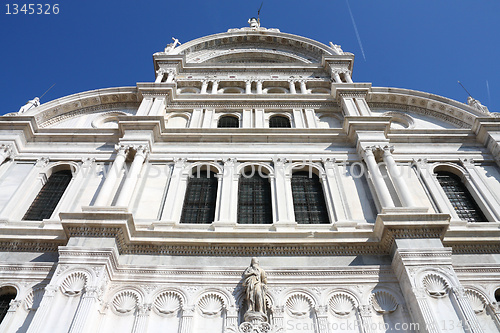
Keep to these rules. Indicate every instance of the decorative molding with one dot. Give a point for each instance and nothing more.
(125, 302)
(435, 285)
(383, 302)
(342, 304)
(74, 284)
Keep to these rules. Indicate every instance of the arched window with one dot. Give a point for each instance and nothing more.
(308, 199)
(47, 199)
(200, 199)
(254, 200)
(279, 122)
(7, 294)
(460, 198)
(228, 122)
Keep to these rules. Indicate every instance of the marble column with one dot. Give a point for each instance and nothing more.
(39, 320)
(228, 185)
(171, 75)
(365, 313)
(335, 198)
(291, 84)
(104, 196)
(399, 183)
(259, 86)
(186, 320)
(215, 86)
(6, 321)
(131, 177)
(303, 87)
(159, 75)
(248, 87)
(204, 86)
(283, 192)
(336, 77)
(381, 189)
(88, 301)
(347, 76)
(172, 208)
(141, 318)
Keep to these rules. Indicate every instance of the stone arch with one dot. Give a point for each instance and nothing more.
(313, 167)
(258, 167)
(275, 90)
(402, 120)
(188, 90)
(177, 120)
(103, 120)
(126, 300)
(201, 166)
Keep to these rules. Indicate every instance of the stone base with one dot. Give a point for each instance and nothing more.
(255, 318)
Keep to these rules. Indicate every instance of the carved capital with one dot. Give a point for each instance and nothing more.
(388, 149)
(180, 162)
(280, 161)
(144, 309)
(122, 149)
(328, 161)
(14, 305)
(42, 162)
(87, 162)
(141, 150)
(6, 150)
(229, 161)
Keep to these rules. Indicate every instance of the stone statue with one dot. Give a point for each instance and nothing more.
(172, 46)
(337, 48)
(256, 290)
(254, 23)
(477, 104)
(33, 103)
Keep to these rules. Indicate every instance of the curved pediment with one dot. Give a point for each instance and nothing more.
(253, 46)
(109, 102)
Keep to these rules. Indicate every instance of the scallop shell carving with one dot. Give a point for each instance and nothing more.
(74, 284)
(210, 305)
(125, 301)
(383, 302)
(167, 302)
(435, 285)
(299, 305)
(341, 304)
(33, 299)
(476, 300)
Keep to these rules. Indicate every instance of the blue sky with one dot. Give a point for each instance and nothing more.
(423, 45)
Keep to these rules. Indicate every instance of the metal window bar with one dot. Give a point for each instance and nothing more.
(228, 122)
(308, 199)
(462, 201)
(47, 199)
(254, 200)
(200, 199)
(279, 122)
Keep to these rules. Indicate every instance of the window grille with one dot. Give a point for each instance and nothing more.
(308, 199)
(228, 122)
(254, 200)
(460, 198)
(200, 199)
(279, 122)
(5, 300)
(47, 199)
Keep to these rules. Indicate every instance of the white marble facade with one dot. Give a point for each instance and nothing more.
(115, 257)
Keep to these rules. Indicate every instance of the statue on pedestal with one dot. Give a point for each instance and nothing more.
(477, 104)
(255, 281)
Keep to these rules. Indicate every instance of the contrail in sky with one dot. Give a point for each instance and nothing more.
(356, 30)
(488, 89)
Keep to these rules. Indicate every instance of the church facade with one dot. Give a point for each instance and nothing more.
(252, 187)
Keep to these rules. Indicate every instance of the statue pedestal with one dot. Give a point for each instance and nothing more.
(255, 322)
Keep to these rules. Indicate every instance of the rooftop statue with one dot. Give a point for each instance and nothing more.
(254, 23)
(33, 103)
(336, 48)
(477, 104)
(172, 46)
